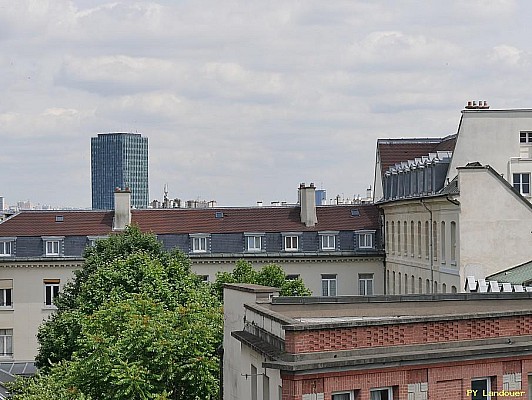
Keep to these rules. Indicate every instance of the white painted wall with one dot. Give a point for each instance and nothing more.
(495, 225)
(490, 137)
(238, 358)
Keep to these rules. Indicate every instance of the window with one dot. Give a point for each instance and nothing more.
(6, 292)
(427, 239)
(412, 241)
(6, 248)
(254, 243)
(292, 277)
(435, 241)
(443, 242)
(199, 243)
(254, 391)
(93, 239)
(453, 242)
(291, 243)
(51, 291)
(342, 396)
(52, 245)
(328, 242)
(381, 394)
(521, 183)
(265, 387)
(328, 285)
(399, 238)
(419, 239)
(365, 240)
(387, 242)
(393, 237)
(52, 248)
(405, 249)
(525, 137)
(203, 278)
(6, 342)
(365, 284)
(480, 389)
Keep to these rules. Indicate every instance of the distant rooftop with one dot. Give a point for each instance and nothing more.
(393, 151)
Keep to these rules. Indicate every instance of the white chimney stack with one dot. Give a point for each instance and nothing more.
(307, 201)
(122, 216)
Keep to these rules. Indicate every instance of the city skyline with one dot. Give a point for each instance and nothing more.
(243, 101)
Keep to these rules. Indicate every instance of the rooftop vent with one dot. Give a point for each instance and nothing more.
(219, 214)
(59, 218)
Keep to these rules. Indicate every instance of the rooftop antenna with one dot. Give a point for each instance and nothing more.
(165, 189)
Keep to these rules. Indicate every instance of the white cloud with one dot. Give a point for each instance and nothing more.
(243, 100)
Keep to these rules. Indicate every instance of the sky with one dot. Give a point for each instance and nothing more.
(242, 101)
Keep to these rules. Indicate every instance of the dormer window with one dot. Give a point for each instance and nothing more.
(365, 239)
(254, 241)
(53, 246)
(7, 247)
(291, 241)
(200, 242)
(328, 240)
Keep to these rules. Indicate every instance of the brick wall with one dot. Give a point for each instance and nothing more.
(404, 334)
(442, 380)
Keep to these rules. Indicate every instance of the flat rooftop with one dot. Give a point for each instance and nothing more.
(301, 313)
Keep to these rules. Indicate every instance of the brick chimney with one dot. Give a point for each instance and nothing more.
(122, 216)
(307, 201)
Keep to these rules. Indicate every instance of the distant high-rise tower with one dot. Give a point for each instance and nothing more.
(119, 160)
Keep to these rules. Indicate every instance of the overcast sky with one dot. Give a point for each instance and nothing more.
(243, 100)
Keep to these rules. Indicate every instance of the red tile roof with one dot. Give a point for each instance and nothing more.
(393, 151)
(168, 221)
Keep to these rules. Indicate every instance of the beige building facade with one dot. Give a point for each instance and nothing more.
(457, 206)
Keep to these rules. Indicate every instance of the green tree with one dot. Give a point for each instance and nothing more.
(136, 324)
(270, 275)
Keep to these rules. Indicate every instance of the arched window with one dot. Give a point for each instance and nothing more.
(435, 241)
(412, 241)
(442, 241)
(427, 239)
(419, 239)
(405, 249)
(453, 242)
(393, 237)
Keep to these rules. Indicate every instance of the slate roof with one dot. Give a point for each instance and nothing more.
(174, 221)
(393, 151)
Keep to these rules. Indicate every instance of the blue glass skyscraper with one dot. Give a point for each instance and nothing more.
(119, 160)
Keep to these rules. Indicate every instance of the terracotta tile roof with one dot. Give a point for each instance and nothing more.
(43, 223)
(167, 221)
(393, 151)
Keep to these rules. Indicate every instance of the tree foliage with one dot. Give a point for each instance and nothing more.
(270, 275)
(135, 323)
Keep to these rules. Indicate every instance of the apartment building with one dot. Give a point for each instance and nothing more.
(450, 203)
(336, 250)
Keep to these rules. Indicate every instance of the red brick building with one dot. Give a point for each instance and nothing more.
(454, 346)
